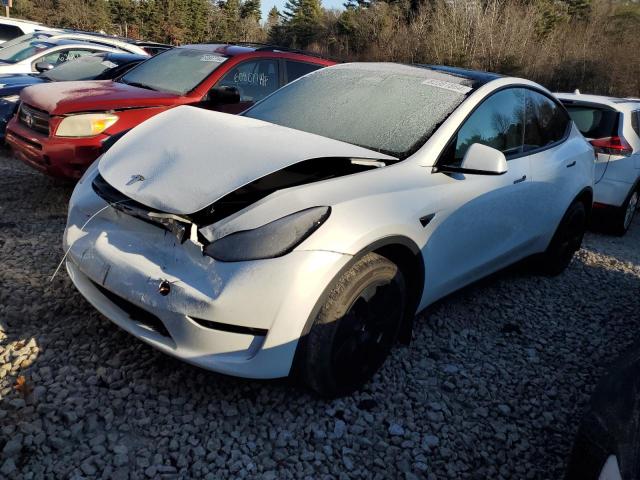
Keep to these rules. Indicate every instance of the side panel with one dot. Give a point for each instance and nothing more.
(558, 176)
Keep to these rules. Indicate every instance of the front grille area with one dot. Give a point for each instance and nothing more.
(136, 314)
(35, 119)
(121, 202)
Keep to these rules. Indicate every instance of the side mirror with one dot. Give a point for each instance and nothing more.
(222, 96)
(43, 66)
(483, 160)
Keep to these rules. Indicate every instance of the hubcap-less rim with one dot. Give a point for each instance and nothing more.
(631, 210)
(366, 333)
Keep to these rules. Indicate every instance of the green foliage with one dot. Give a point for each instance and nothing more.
(562, 43)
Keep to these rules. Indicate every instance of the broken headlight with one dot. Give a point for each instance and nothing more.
(272, 240)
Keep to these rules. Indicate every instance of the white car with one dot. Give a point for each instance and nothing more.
(11, 28)
(612, 125)
(303, 236)
(37, 55)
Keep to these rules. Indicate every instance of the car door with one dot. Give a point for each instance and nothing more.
(483, 224)
(254, 79)
(557, 165)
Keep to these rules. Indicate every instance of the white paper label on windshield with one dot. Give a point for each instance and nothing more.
(453, 87)
(212, 58)
(109, 64)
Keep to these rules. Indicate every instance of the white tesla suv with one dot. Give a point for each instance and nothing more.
(303, 236)
(612, 125)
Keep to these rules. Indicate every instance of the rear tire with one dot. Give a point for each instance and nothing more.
(624, 215)
(566, 241)
(355, 328)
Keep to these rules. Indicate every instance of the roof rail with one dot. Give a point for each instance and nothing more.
(269, 47)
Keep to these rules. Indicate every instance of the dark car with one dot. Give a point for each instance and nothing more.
(99, 66)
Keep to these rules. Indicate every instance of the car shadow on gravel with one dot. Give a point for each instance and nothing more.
(492, 386)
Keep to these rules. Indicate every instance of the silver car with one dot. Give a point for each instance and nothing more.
(303, 236)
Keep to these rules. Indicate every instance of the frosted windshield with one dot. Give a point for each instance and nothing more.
(392, 109)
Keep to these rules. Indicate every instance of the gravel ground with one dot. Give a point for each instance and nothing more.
(493, 385)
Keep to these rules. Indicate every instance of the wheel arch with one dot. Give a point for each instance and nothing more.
(585, 196)
(402, 251)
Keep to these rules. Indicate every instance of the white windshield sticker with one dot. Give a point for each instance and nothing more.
(212, 58)
(454, 87)
(109, 64)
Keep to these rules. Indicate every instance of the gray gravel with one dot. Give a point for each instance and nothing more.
(493, 385)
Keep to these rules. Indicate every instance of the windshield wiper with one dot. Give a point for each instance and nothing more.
(138, 84)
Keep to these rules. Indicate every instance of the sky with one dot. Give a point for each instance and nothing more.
(268, 4)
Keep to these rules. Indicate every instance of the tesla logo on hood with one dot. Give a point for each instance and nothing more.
(135, 179)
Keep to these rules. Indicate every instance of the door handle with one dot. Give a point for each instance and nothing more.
(520, 180)
(572, 164)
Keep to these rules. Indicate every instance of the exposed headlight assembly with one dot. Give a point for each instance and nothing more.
(272, 240)
(85, 124)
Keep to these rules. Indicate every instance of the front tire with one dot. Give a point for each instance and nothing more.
(566, 241)
(355, 328)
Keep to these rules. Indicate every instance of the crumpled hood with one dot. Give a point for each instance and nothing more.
(190, 157)
(60, 98)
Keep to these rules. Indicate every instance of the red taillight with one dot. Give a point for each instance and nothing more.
(612, 146)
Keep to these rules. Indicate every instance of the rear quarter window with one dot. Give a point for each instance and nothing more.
(594, 122)
(298, 69)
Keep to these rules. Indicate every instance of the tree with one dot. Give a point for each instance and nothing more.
(273, 18)
(250, 9)
(302, 21)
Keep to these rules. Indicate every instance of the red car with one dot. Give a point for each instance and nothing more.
(60, 128)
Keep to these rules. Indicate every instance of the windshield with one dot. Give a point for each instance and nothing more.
(83, 68)
(179, 70)
(388, 108)
(23, 50)
(25, 38)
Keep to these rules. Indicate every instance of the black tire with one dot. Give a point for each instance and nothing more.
(355, 328)
(566, 241)
(623, 216)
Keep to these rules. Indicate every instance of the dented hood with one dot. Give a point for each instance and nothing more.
(187, 158)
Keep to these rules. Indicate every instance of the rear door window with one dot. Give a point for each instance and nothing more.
(545, 121)
(298, 69)
(594, 122)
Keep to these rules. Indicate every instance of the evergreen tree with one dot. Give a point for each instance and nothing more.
(302, 21)
(273, 18)
(251, 10)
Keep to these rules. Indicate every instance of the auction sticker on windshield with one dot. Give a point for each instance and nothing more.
(212, 58)
(454, 87)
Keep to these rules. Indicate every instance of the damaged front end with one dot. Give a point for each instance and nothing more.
(278, 237)
(147, 272)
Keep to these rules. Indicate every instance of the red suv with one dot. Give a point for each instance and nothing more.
(60, 128)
